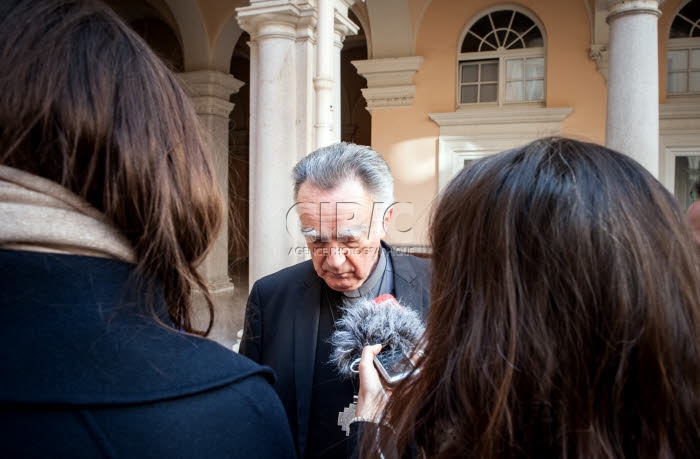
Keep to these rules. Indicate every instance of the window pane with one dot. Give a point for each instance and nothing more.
(470, 44)
(502, 37)
(533, 39)
(489, 71)
(489, 93)
(468, 94)
(482, 27)
(515, 42)
(514, 69)
(694, 81)
(695, 59)
(691, 11)
(678, 60)
(501, 19)
(521, 23)
(677, 82)
(514, 91)
(489, 43)
(534, 68)
(680, 28)
(470, 73)
(534, 90)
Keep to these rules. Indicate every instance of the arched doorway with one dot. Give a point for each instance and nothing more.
(239, 161)
(356, 120)
(155, 26)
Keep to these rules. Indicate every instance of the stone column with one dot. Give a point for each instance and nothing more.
(337, 131)
(342, 27)
(633, 81)
(210, 92)
(283, 108)
(323, 79)
(274, 107)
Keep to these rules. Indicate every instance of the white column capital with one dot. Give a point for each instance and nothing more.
(389, 81)
(278, 18)
(618, 8)
(210, 91)
(348, 3)
(599, 53)
(343, 26)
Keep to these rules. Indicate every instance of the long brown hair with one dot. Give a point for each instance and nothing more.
(565, 314)
(85, 103)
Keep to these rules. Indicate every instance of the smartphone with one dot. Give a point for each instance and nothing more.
(393, 364)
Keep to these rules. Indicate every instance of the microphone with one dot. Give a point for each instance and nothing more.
(367, 322)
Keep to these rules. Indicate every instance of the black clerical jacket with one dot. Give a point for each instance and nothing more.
(281, 327)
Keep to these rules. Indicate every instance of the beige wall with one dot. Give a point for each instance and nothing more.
(408, 138)
(408, 141)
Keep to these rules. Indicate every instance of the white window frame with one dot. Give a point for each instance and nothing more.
(672, 153)
(679, 44)
(502, 55)
(460, 84)
(679, 135)
(679, 119)
(474, 134)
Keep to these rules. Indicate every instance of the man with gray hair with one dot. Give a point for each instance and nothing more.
(344, 194)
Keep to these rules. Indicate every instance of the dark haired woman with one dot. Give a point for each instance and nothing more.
(108, 203)
(565, 316)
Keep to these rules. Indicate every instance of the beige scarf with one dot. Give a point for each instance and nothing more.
(37, 214)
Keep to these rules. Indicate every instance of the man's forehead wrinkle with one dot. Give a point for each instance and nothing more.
(352, 230)
(330, 205)
(331, 218)
(329, 212)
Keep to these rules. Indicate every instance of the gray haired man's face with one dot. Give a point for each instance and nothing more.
(341, 233)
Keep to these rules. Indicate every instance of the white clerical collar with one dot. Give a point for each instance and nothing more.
(373, 281)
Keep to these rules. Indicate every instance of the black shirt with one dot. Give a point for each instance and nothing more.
(331, 393)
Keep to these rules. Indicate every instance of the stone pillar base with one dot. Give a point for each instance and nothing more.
(228, 313)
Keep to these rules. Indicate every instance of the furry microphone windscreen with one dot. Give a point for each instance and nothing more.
(367, 322)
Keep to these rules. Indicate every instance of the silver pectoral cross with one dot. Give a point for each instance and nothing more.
(345, 416)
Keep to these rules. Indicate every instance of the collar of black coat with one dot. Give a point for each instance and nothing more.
(373, 282)
(72, 333)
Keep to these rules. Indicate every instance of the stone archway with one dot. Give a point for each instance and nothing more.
(239, 166)
(183, 33)
(156, 25)
(356, 123)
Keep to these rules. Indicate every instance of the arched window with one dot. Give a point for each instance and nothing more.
(684, 51)
(501, 61)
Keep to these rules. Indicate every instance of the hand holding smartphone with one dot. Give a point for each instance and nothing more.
(393, 364)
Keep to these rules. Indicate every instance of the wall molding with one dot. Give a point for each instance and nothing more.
(467, 135)
(389, 81)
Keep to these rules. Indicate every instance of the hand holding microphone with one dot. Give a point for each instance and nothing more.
(363, 327)
(380, 321)
(372, 396)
